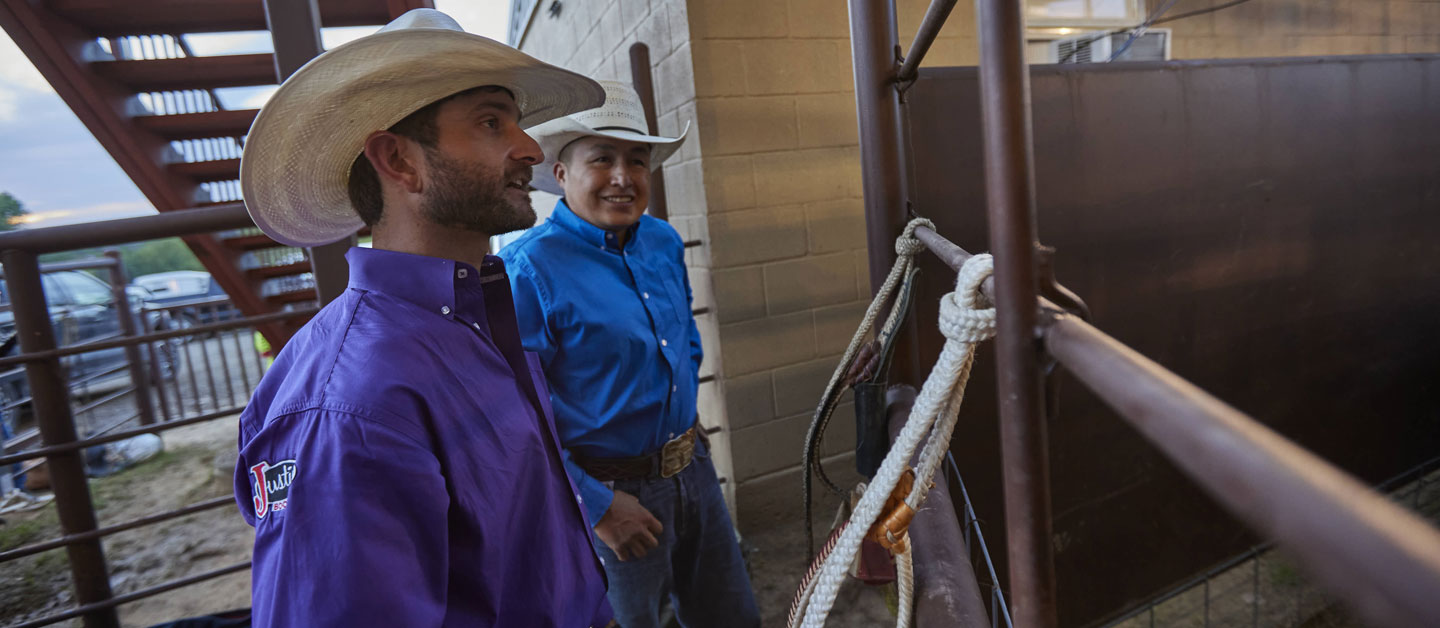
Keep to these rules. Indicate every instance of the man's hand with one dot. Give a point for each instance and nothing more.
(628, 528)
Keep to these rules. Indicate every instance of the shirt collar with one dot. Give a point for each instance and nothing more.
(572, 222)
(429, 282)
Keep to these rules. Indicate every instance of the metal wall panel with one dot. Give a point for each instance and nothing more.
(1267, 228)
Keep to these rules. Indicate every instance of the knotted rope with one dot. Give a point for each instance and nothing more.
(964, 324)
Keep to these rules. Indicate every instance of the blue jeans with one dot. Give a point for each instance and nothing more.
(697, 566)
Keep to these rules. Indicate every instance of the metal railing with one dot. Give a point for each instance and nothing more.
(1375, 556)
(62, 447)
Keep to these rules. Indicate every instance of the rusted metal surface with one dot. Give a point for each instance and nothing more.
(935, 16)
(112, 232)
(946, 593)
(139, 374)
(1368, 551)
(1010, 186)
(645, 87)
(109, 605)
(21, 552)
(873, 47)
(1253, 225)
(57, 428)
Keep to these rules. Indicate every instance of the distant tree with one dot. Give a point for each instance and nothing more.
(158, 256)
(10, 209)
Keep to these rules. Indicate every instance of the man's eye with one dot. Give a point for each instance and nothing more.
(493, 124)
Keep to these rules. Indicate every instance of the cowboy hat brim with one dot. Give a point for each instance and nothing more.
(294, 171)
(555, 135)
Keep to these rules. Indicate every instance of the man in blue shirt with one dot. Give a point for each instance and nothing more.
(603, 298)
(400, 461)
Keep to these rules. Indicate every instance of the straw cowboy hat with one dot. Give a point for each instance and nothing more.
(295, 169)
(621, 117)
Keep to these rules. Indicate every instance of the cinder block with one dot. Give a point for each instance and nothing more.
(732, 126)
(709, 344)
(775, 499)
(719, 67)
(809, 282)
(807, 176)
(1245, 20)
(702, 289)
(756, 235)
(952, 51)
(1406, 17)
(835, 326)
(729, 183)
(1364, 17)
(739, 293)
(768, 447)
(739, 19)
(685, 113)
(747, 400)
(632, 14)
(862, 274)
(678, 13)
(1422, 43)
(837, 225)
(819, 18)
(798, 387)
(611, 30)
(767, 343)
(685, 189)
(654, 32)
(794, 66)
(674, 84)
(1320, 18)
(826, 120)
(840, 433)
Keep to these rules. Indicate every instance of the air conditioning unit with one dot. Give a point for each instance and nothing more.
(1101, 46)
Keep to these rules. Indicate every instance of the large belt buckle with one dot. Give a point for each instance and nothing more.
(676, 454)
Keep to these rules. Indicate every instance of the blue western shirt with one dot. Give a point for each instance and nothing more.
(614, 332)
(400, 465)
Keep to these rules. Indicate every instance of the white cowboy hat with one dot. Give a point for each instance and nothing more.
(295, 169)
(621, 117)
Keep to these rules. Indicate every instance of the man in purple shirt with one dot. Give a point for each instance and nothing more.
(399, 461)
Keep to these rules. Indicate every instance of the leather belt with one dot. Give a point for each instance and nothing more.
(671, 459)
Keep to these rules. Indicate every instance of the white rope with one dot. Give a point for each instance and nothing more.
(905, 578)
(934, 414)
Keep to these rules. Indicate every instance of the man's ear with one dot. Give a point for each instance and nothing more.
(559, 172)
(396, 159)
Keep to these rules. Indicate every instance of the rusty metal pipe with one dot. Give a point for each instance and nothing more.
(163, 335)
(139, 375)
(935, 17)
(21, 552)
(946, 593)
(51, 399)
(1010, 192)
(112, 232)
(1380, 559)
(54, 450)
(645, 87)
(109, 605)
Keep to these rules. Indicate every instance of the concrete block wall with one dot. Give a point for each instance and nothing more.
(593, 37)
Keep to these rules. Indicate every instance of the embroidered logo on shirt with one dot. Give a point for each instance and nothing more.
(271, 486)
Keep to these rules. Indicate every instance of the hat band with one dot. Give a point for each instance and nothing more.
(619, 128)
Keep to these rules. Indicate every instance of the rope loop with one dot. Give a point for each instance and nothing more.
(961, 318)
(907, 244)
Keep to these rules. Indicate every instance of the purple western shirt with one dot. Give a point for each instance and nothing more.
(400, 465)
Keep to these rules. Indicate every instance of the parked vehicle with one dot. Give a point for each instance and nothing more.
(82, 310)
(181, 287)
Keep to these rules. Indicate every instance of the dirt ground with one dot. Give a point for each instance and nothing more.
(197, 466)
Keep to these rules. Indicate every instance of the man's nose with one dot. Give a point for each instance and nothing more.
(526, 149)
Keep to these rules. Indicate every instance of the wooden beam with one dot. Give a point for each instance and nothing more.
(114, 18)
(186, 126)
(207, 171)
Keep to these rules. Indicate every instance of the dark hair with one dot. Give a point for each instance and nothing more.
(364, 183)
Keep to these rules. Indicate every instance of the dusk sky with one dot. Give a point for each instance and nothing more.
(52, 163)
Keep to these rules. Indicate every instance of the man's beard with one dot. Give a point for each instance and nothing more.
(473, 197)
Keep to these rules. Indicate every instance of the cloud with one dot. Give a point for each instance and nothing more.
(92, 213)
(17, 77)
(490, 19)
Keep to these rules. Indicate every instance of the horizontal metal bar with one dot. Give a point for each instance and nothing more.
(700, 311)
(131, 597)
(1364, 549)
(127, 341)
(101, 440)
(705, 379)
(87, 263)
(98, 375)
(185, 304)
(951, 254)
(104, 400)
(690, 244)
(935, 17)
(125, 230)
(36, 548)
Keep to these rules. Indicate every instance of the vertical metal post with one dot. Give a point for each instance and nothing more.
(1010, 191)
(51, 400)
(645, 87)
(139, 375)
(295, 29)
(875, 50)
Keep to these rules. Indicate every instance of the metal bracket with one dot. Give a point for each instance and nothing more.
(1064, 301)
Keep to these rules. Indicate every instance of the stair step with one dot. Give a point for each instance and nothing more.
(114, 18)
(250, 242)
(293, 296)
(203, 171)
(159, 75)
(284, 270)
(186, 126)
